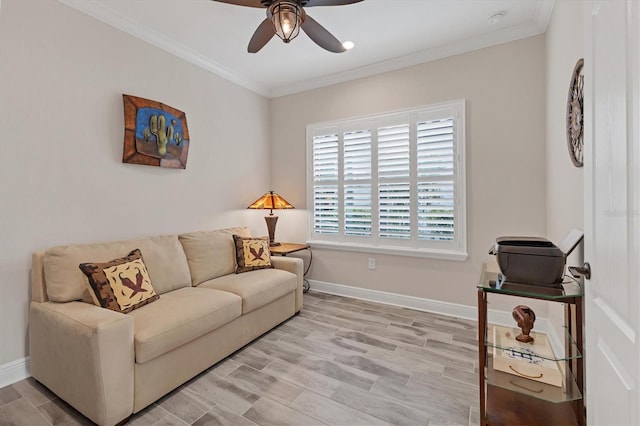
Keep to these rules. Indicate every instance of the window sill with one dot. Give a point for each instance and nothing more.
(391, 250)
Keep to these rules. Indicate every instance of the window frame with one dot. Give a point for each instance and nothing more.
(448, 250)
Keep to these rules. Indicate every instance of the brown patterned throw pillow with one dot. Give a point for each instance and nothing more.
(121, 285)
(252, 253)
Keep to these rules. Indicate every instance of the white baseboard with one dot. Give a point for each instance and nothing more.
(17, 370)
(418, 303)
(14, 371)
(435, 306)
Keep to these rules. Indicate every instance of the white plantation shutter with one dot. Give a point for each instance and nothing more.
(391, 183)
(394, 186)
(357, 183)
(357, 210)
(325, 184)
(435, 176)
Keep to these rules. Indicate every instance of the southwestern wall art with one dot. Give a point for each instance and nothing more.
(154, 134)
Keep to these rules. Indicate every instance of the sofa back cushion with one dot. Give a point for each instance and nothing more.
(211, 254)
(163, 256)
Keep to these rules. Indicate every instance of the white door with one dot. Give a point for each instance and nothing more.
(612, 211)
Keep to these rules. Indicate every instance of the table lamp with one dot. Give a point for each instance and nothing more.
(271, 200)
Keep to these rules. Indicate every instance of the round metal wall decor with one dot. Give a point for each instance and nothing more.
(575, 115)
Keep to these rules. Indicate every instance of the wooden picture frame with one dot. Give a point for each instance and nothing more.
(155, 134)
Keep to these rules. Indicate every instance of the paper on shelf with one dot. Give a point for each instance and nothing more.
(534, 361)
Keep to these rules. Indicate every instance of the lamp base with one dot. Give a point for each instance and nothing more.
(274, 244)
(271, 227)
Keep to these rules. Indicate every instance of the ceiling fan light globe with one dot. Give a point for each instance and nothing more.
(287, 17)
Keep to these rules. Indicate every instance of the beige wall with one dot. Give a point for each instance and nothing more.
(564, 46)
(505, 91)
(565, 183)
(62, 75)
(61, 118)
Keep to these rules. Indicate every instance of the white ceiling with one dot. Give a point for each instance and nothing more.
(388, 34)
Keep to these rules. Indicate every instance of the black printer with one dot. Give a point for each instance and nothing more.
(534, 260)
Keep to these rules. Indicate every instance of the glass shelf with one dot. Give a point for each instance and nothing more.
(523, 348)
(554, 394)
(492, 282)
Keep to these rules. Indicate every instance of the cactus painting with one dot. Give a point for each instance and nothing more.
(155, 134)
(162, 125)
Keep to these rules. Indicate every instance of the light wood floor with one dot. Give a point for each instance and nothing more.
(340, 361)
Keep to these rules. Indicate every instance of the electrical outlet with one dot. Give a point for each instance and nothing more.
(372, 263)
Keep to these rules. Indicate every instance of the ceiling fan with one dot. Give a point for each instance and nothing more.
(286, 17)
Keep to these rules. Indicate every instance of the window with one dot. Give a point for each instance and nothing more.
(391, 183)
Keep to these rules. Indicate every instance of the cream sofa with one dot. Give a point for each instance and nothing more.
(109, 365)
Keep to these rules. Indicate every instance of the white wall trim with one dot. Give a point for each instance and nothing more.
(457, 255)
(506, 35)
(497, 317)
(100, 11)
(14, 371)
(17, 370)
(418, 303)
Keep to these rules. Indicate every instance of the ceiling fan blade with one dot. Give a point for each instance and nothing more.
(321, 36)
(311, 3)
(247, 3)
(263, 34)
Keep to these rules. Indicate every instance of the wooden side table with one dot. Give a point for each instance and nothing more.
(285, 249)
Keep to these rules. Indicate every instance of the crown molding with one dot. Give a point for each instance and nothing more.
(538, 25)
(110, 17)
(97, 10)
(542, 14)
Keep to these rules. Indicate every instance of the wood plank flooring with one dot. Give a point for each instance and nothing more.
(341, 361)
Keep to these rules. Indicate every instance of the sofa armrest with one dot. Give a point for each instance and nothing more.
(294, 265)
(84, 354)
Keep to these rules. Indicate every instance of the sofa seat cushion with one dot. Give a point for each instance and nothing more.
(256, 288)
(180, 316)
